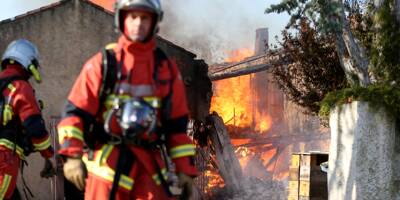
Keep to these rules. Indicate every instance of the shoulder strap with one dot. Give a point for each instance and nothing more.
(3, 85)
(109, 74)
(160, 56)
(5, 81)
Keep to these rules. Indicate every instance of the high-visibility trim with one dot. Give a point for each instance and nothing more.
(155, 102)
(108, 103)
(11, 88)
(100, 168)
(108, 174)
(111, 45)
(8, 114)
(4, 187)
(104, 154)
(10, 145)
(69, 132)
(156, 177)
(43, 145)
(182, 151)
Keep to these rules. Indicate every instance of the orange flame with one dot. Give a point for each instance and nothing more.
(234, 102)
(214, 180)
(244, 154)
(239, 55)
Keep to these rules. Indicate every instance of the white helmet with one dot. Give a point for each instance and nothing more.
(153, 6)
(25, 53)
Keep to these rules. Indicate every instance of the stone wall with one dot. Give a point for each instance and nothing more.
(364, 154)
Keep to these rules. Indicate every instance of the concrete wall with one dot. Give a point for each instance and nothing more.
(364, 154)
(69, 33)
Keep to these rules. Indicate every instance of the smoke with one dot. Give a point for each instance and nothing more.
(212, 28)
(12, 8)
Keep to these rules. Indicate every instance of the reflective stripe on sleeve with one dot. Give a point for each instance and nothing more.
(10, 145)
(4, 186)
(182, 151)
(43, 145)
(69, 132)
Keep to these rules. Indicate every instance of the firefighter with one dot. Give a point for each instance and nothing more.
(145, 76)
(22, 126)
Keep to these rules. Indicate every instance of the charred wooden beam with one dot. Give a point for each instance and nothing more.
(239, 72)
(247, 66)
(228, 164)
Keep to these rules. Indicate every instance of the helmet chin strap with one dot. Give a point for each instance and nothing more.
(35, 73)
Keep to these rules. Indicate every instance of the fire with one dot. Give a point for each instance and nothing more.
(265, 123)
(239, 55)
(214, 180)
(244, 155)
(235, 102)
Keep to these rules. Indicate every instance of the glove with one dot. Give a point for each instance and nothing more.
(186, 183)
(75, 172)
(48, 169)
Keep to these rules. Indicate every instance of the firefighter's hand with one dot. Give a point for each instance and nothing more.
(186, 183)
(75, 172)
(48, 169)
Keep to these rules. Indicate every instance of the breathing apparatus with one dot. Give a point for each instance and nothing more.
(137, 117)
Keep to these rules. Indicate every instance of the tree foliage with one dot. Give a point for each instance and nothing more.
(362, 37)
(315, 68)
(385, 48)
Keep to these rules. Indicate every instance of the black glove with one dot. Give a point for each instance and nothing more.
(186, 183)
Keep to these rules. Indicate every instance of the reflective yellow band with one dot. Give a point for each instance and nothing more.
(104, 153)
(156, 177)
(155, 102)
(108, 174)
(182, 151)
(8, 114)
(43, 145)
(5, 185)
(99, 167)
(10, 145)
(69, 132)
(111, 46)
(108, 103)
(11, 88)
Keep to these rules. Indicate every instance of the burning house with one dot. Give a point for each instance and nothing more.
(263, 126)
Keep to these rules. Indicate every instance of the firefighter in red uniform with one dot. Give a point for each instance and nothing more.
(153, 111)
(22, 127)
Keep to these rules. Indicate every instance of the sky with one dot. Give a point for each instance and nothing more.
(209, 28)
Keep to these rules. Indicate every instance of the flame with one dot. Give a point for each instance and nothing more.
(244, 154)
(214, 180)
(239, 55)
(265, 123)
(234, 102)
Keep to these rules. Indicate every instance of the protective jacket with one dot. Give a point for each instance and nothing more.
(141, 177)
(24, 131)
